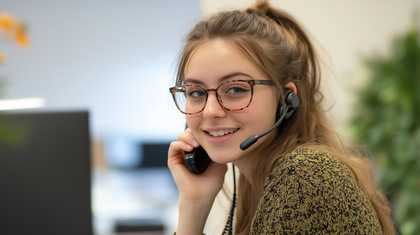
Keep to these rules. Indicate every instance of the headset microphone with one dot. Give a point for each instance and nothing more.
(292, 102)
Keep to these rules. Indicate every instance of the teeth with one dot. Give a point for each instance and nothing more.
(222, 132)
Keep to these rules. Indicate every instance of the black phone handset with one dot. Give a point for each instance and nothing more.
(197, 160)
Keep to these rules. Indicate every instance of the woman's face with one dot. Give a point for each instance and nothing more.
(209, 66)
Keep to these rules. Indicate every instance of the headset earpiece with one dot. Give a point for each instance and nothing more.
(291, 100)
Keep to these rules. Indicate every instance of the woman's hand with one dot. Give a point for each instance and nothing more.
(194, 188)
(196, 191)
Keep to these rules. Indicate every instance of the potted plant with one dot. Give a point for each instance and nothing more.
(387, 119)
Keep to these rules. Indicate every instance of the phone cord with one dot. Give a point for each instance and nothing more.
(229, 227)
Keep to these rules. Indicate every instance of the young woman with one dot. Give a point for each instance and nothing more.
(298, 179)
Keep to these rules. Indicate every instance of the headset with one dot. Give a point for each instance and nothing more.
(292, 102)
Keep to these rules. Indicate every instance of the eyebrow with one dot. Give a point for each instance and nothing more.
(196, 81)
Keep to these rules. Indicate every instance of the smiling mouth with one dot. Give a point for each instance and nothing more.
(222, 132)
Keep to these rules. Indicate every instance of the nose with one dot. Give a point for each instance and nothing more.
(213, 110)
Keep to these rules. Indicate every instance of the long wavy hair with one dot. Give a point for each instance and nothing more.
(277, 44)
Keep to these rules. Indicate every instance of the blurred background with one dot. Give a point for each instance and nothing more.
(115, 60)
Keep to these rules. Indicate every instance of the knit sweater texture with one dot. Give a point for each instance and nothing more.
(311, 192)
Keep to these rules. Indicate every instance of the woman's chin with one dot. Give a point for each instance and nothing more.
(223, 157)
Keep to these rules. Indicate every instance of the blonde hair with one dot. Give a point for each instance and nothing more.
(278, 45)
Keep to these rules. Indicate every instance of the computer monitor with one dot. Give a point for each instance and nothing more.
(45, 182)
(154, 155)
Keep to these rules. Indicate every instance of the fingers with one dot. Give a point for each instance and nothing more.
(188, 138)
(178, 148)
(186, 142)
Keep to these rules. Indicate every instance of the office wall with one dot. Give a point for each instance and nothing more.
(113, 58)
(347, 30)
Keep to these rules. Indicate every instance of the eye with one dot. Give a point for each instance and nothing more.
(195, 93)
(236, 90)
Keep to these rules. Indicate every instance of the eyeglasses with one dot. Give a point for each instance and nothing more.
(234, 95)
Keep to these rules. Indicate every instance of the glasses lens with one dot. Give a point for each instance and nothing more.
(235, 95)
(190, 98)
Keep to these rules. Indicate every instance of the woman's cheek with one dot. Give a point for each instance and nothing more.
(259, 117)
(194, 122)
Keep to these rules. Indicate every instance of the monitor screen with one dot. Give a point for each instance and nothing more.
(45, 181)
(154, 155)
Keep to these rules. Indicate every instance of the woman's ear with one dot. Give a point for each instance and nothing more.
(292, 87)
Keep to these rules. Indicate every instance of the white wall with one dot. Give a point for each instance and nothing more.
(347, 30)
(114, 58)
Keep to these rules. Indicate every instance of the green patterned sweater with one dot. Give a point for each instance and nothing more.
(310, 192)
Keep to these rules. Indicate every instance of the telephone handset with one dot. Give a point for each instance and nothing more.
(197, 160)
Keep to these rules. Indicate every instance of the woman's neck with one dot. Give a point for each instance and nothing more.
(249, 160)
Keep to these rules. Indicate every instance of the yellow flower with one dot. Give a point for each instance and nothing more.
(13, 30)
(3, 57)
(6, 21)
(21, 37)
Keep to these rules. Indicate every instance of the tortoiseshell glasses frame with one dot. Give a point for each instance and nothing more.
(183, 88)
